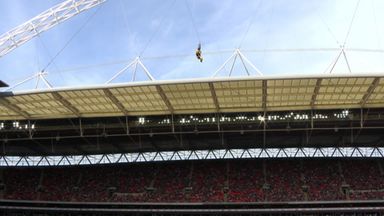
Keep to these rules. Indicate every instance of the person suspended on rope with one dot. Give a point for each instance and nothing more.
(198, 53)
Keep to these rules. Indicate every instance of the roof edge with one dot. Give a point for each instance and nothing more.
(199, 80)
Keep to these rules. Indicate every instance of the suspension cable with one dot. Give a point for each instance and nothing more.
(127, 25)
(157, 29)
(217, 52)
(350, 25)
(193, 21)
(249, 24)
(329, 29)
(49, 55)
(72, 37)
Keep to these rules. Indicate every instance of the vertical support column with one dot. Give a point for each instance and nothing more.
(172, 123)
(52, 147)
(264, 133)
(127, 124)
(81, 127)
(218, 121)
(29, 129)
(361, 118)
(312, 124)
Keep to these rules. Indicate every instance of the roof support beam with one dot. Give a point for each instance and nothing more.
(369, 92)
(165, 98)
(115, 101)
(315, 92)
(214, 96)
(14, 108)
(66, 103)
(264, 98)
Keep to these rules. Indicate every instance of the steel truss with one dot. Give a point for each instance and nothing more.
(185, 155)
(43, 22)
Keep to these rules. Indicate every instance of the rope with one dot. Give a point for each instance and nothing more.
(72, 37)
(193, 21)
(350, 25)
(158, 28)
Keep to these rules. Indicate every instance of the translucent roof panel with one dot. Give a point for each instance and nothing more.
(197, 96)
(239, 95)
(190, 96)
(347, 92)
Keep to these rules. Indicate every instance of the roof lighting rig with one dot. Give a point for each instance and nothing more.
(16, 126)
(244, 118)
(154, 125)
(114, 129)
(210, 130)
(198, 120)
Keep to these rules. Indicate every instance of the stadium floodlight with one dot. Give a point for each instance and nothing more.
(261, 118)
(15, 124)
(141, 120)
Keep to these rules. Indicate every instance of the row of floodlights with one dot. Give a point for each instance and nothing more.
(17, 126)
(194, 119)
(242, 118)
(343, 114)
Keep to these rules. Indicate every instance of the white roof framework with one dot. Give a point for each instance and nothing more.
(186, 155)
(241, 94)
(43, 22)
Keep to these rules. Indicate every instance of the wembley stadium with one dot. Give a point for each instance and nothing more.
(309, 144)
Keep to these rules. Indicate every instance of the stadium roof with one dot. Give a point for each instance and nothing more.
(3, 84)
(241, 94)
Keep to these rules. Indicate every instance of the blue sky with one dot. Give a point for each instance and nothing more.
(162, 33)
